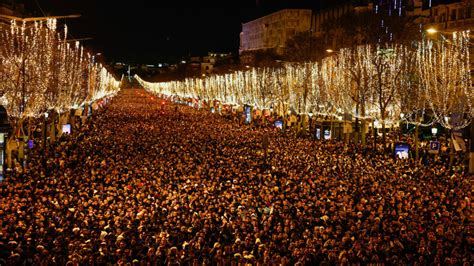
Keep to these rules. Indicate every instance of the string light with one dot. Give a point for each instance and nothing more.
(41, 70)
(444, 70)
(376, 82)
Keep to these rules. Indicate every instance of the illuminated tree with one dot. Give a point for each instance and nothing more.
(23, 80)
(389, 65)
(299, 79)
(24, 49)
(40, 71)
(357, 72)
(445, 74)
(303, 47)
(414, 105)
(263, 87)
(282, 92)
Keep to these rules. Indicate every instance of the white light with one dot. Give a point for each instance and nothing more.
(434, 131)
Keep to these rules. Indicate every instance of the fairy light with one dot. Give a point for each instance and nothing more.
(348, 79)
(42, 71)
(445, 72)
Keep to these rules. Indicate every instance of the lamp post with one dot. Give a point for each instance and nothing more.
(450, 138)
(402, 115)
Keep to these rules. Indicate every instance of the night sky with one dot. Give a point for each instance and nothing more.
(143, 32)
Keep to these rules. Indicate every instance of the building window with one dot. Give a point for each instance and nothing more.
(290, 33)
(461, 13)
(453, 15)
(442, 18)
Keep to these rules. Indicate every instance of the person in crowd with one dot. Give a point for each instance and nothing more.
(140, 186)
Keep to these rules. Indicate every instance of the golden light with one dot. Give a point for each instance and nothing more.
(432, 30)
(328, 88)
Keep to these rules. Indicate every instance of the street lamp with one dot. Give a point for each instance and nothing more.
(434, 131)
(432, 30)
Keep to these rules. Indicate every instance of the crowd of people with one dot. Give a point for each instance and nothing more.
(149, 184)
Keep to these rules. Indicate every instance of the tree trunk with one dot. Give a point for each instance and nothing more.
(45, 129)
(417, 152)
(303, 125)
(363, 137)
(73, 120)
(451, 149)
(383, 134)
(21, 150)
(471, 154)
(63, 119)
(19, 131)
(331, 128)
(10, 144)
(341, 134)
(356, 126)
(29, 127)
(52, 132)
(363, 125)
(347, 134)
(375, 134)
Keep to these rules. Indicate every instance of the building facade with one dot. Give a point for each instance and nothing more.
(452, 17)
(271, 32)
(448, 18)
(9, 8)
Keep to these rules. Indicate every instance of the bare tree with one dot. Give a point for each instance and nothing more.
(371, 27)
(389, 65)
(303, 47)
(445, 73)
